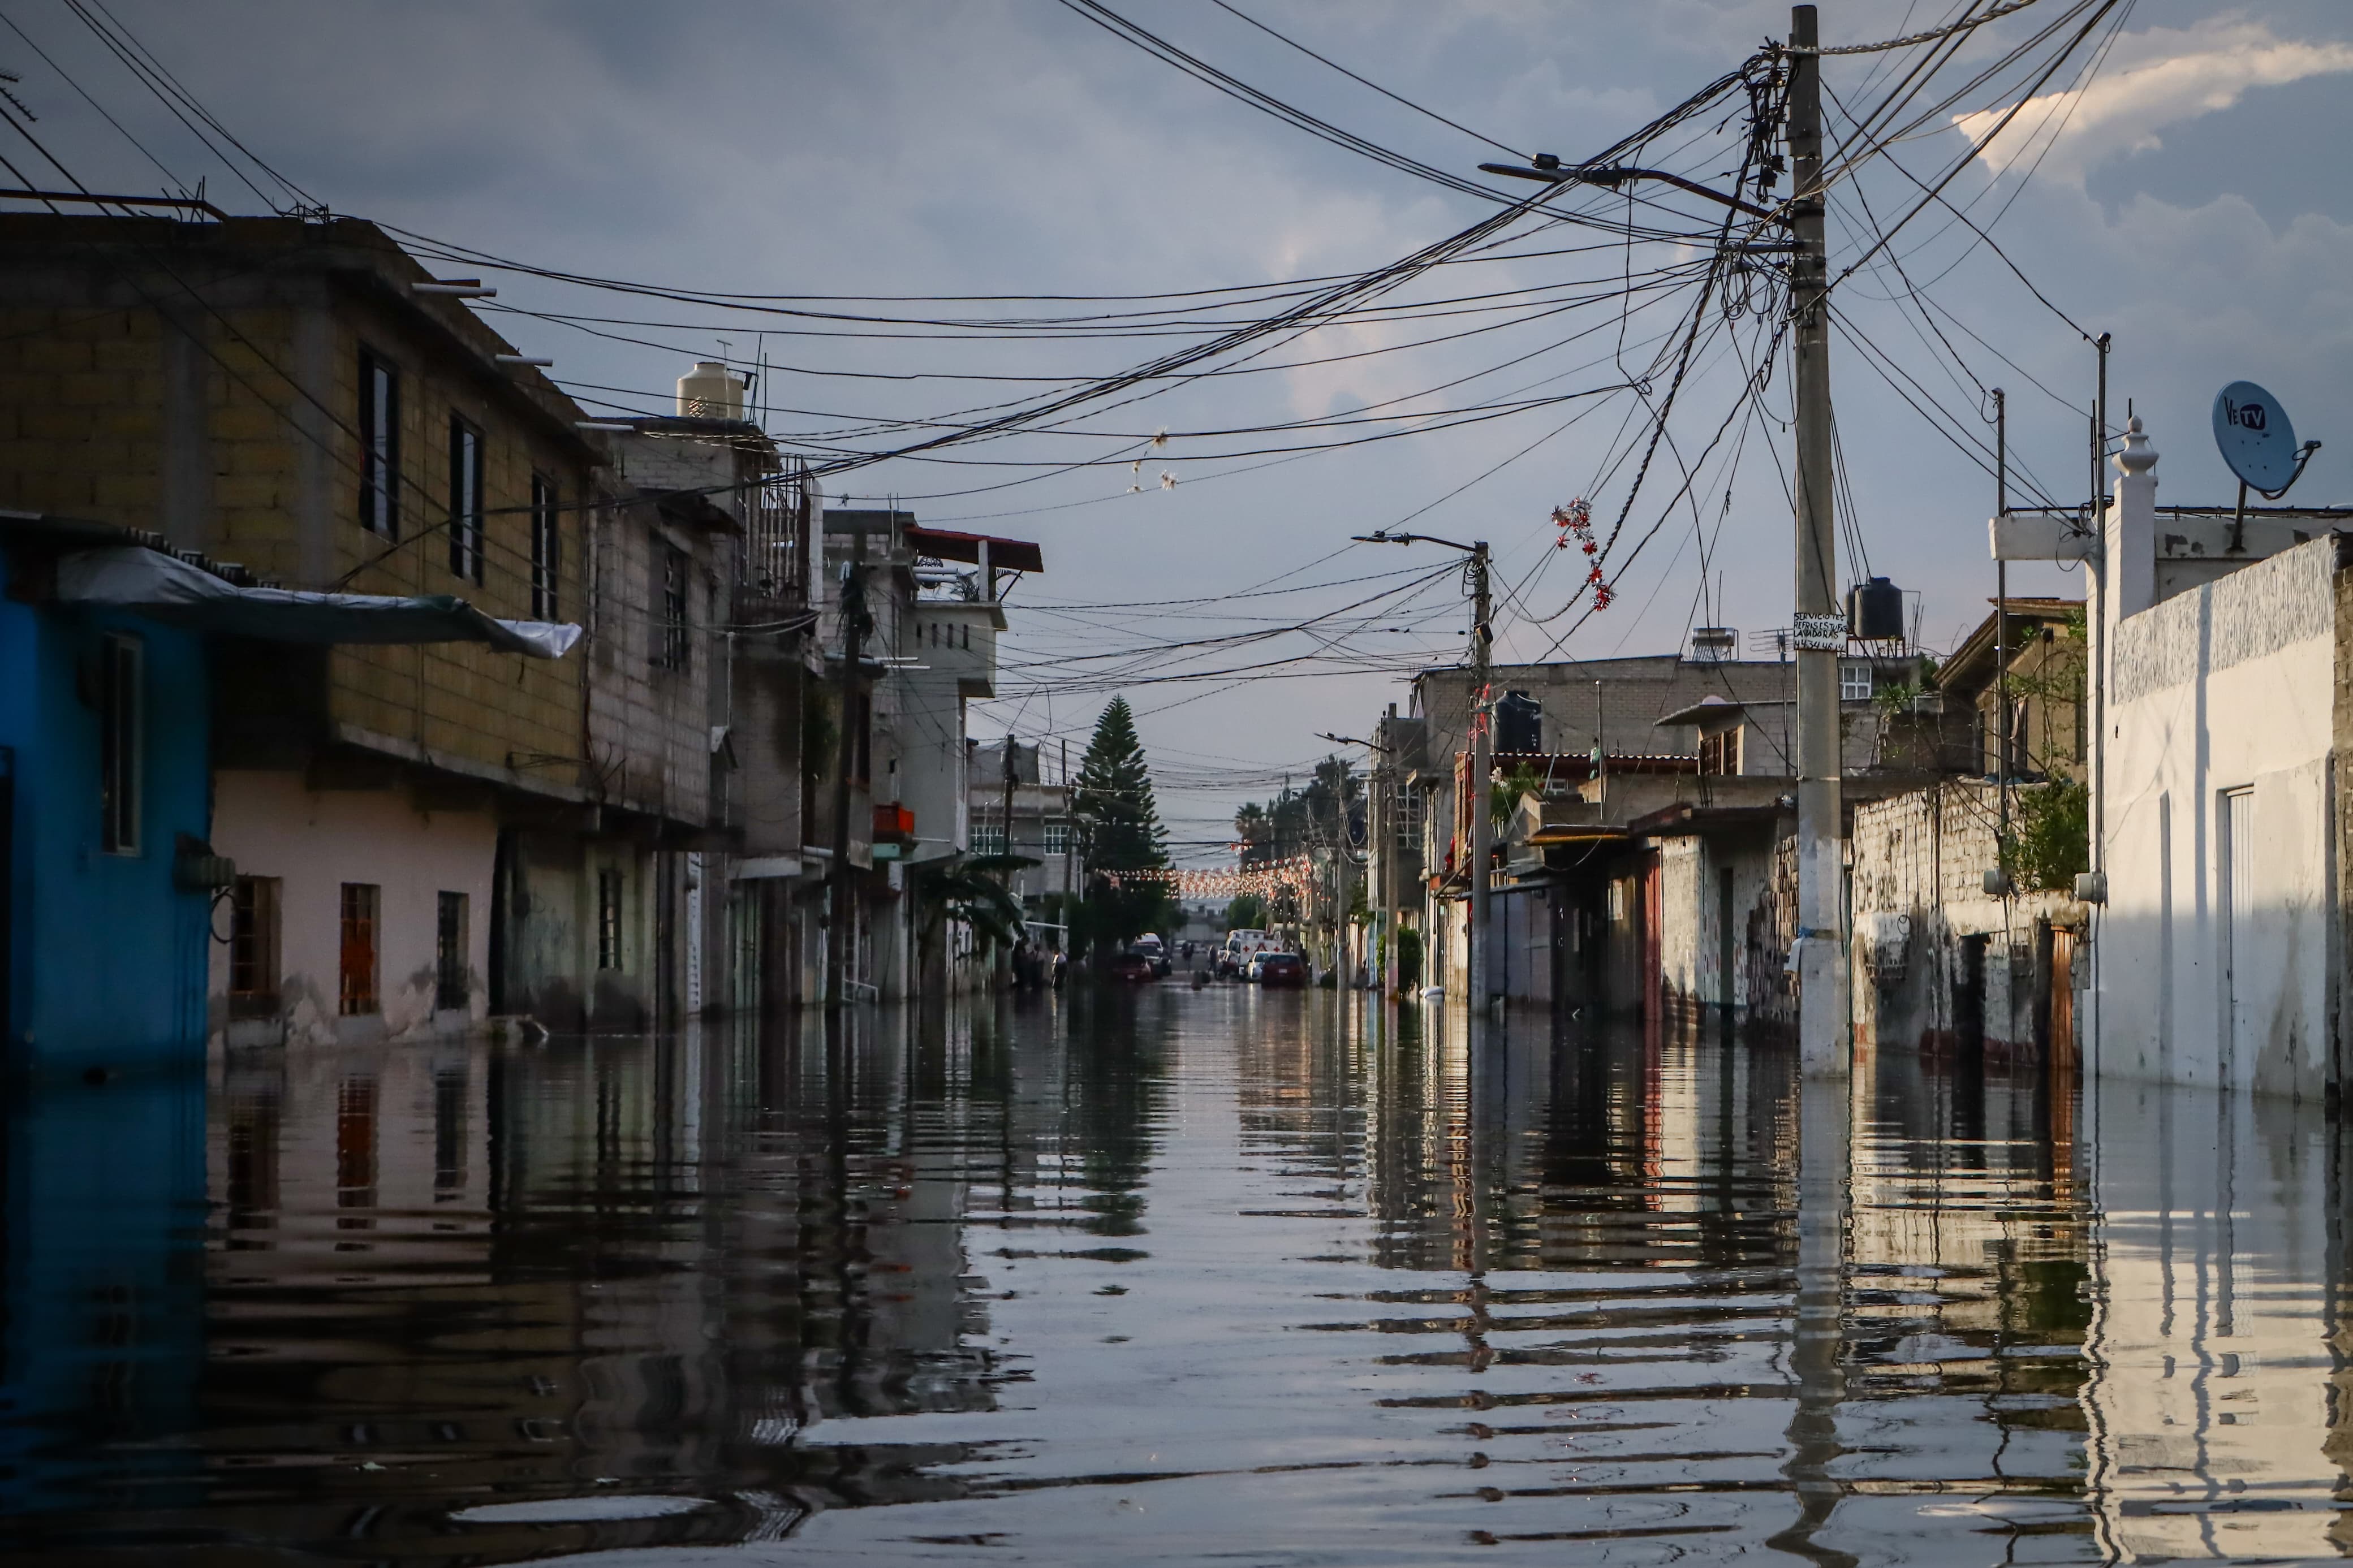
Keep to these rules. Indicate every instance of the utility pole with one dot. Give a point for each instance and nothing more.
(1821, 631)
(842, 920)
(1070, 841)
(1012, 748)
(2096, 626)
(2001, 623)
(1482, 740)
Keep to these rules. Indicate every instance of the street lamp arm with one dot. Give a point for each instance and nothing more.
(1383, 536)
(1610, 178)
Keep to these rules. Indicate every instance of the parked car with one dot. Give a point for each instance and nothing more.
(1154, 949)
(1280, 969)
(1257, 962)
(1131, 966)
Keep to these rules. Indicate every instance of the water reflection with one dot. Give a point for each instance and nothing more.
(1168, 1277)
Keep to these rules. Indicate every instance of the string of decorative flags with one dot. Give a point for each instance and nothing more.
(1222, 881)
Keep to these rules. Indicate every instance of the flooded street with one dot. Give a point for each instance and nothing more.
(1163, 1277)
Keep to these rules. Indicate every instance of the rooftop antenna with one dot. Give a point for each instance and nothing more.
(2258, 441)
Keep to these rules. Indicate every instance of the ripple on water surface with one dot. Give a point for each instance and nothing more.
(1170, 1277)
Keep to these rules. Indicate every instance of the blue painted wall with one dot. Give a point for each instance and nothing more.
(108, 958)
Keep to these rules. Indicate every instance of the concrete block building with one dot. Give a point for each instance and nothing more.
(302, 398)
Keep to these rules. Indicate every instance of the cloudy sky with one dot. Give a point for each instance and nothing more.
(2180, 196)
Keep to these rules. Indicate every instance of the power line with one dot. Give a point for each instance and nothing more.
(1351, 76)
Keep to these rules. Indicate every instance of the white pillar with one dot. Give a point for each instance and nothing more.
(2130, 556)
(2121, 579)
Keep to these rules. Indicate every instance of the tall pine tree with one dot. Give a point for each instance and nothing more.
(1113, 795)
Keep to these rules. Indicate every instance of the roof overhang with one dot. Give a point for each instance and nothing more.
(948, 544)
(167, 589)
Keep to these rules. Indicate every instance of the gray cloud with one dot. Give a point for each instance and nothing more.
(1007, 145)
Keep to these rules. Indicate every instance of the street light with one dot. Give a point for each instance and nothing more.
(1476, 961)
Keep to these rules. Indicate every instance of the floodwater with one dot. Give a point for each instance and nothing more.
(1163, 1277)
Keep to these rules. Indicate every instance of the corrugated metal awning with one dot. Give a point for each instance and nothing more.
(171, 590)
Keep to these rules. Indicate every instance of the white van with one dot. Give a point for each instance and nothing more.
(1244, 944)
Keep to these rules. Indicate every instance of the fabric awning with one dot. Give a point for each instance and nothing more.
(178, 593)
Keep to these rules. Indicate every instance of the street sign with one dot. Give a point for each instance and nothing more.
(2255, 435)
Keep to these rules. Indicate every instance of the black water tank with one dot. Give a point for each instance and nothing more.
(1519, 724)
(1874, 610)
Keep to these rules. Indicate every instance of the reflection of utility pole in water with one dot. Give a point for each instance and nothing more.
(1824, 1116)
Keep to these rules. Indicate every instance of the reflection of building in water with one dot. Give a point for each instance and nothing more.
(2214, 1397)
(100, 1306)
(659, 1258)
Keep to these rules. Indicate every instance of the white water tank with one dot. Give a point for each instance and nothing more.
(710, 391)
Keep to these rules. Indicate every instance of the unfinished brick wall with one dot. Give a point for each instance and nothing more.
(1923, 856)
(202, 380)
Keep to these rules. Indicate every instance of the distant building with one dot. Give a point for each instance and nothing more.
(1042, 830)
(2045, 727)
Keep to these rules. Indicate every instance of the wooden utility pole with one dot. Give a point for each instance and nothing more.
(1482, 763)
(843, 919)
(1820, 630)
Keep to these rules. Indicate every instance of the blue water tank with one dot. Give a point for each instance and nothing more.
(1874, 610)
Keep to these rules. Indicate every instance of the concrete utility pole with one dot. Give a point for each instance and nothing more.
(842, 921)
(1482, 763)
(1820, 630)
(1481, 746)
(2002, 763)
(1004, 964)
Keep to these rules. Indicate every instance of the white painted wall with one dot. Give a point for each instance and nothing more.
(314, 841)
(2226, 687)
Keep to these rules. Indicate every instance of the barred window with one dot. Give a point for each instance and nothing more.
(379, 446)
(465, 501)
(546, 548)
(672, 650)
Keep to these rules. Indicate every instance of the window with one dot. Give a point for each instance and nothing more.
(609, 919)
(122, 735)
(671, 650)
(356, 995)
(1720, 754)
(989, 838)
(465, 501)
(547, 547)
(379, 447)
(450, 992)
(253, 948)
(1058, 838)
(1854, 683)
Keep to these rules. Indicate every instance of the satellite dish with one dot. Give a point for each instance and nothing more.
(2256, 436)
